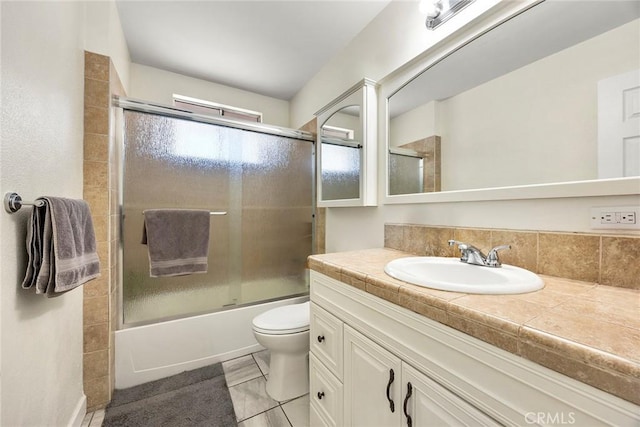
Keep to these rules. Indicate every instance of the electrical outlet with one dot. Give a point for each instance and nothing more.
(625, 217)
(628, 217)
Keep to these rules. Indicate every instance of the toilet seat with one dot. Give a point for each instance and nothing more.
(288, 319)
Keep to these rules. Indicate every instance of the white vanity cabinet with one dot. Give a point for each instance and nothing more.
(382, 390)
(357, 382)
(367, 353)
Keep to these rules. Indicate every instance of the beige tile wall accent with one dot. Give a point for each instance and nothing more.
(320, 213)
(598, 258)
(429, 148)
(100, 184)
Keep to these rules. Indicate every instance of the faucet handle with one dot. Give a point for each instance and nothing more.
(464, 247)
(492, 257)
(455, 242)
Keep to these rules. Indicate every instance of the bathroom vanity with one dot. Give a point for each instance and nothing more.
(387, 353)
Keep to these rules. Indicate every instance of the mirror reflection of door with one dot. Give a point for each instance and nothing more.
(341, 138)
(619, 126)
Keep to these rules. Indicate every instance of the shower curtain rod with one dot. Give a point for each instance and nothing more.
(169, 111)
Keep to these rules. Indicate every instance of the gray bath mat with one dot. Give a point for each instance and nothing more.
(193, 398)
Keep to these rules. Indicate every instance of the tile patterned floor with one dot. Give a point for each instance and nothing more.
(246, 378)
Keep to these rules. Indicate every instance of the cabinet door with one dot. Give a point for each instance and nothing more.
(426, 403)
(372, 378)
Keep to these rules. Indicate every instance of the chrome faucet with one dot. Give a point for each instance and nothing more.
(472, 255)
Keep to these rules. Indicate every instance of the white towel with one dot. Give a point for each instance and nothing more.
(61, 246)
(178, 241)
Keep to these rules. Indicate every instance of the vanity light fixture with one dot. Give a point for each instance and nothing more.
(439, 11)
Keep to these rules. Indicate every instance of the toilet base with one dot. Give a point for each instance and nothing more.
(289, 365)
(288, 376)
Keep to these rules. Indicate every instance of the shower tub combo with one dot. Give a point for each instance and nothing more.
(262, 177)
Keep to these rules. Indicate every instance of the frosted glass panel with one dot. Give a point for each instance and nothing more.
(256, 252)
(405, 174)
(340, 172)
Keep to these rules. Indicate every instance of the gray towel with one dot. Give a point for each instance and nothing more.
(178, 241)
(61, 246)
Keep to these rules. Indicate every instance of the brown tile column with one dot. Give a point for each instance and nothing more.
(320, 213)
(100, 184)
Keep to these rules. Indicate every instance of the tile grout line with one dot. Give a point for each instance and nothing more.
(279, 405)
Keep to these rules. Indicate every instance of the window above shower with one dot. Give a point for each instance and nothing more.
(201, 106)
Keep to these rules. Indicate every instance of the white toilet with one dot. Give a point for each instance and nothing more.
(284, 331)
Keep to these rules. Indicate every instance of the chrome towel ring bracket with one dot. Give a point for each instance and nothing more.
(13, 202)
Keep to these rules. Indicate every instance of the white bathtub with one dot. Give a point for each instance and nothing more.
(150, 352)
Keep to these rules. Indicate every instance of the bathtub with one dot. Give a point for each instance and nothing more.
(150, 352)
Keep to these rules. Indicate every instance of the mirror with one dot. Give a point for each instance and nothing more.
(341, 139)
(526, 103)
(346, 148)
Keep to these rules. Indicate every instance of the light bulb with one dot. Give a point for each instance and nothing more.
(431, 8)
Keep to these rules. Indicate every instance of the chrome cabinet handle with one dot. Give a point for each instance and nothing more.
(406, 401)
(392, 405)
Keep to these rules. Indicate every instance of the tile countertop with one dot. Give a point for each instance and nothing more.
(583, 330)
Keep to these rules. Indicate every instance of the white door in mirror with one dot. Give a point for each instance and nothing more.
(450, 274)
(619, 126)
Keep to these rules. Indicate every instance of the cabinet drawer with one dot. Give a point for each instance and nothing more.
(325, 393)
(315, 418)
(326, 339)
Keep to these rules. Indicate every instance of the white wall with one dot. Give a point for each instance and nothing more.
(419, 123)
(41, 154)
(153, 84)
(103, 35)
(554, 120)
(394, 38)
(358, 228)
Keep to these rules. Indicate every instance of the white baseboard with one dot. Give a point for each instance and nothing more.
(79, 412)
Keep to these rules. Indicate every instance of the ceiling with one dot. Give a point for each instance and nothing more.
(263, 46)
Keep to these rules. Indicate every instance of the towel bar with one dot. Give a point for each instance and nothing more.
(13, 202)
(210, 213)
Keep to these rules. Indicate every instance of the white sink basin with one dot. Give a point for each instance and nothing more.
(450, 274)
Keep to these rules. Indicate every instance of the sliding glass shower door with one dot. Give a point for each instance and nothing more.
(257, 251)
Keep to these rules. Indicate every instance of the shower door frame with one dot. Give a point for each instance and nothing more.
(121, 104)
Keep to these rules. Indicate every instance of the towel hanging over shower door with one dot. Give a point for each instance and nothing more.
(177, 240)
